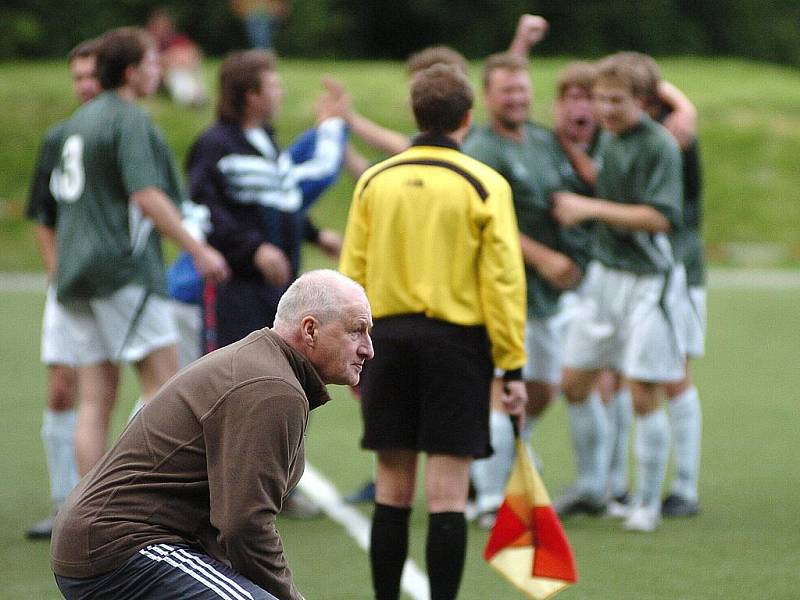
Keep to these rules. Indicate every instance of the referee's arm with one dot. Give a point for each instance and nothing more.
(502, 281)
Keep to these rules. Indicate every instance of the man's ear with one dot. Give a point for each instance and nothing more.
(308, 330)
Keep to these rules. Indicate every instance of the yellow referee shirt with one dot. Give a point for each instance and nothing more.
(432, 231)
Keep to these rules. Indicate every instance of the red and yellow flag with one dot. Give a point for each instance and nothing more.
(527, 544)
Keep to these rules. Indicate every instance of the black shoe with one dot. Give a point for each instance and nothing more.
(576, 502)
(363, 495)
(678, 506)
(41, 530)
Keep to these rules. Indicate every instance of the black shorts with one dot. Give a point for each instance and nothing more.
(239, 307)
(427, 389)
(165, 572)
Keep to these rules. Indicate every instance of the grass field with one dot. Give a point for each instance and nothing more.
(743, 545)
(749, 130)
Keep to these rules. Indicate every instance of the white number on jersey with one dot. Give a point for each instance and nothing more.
(68, 179)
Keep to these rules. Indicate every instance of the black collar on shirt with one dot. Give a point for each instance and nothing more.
(307, 375)
(434, 139)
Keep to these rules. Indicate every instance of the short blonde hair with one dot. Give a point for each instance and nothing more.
(505, 61)
(628, 72)
(579, 74)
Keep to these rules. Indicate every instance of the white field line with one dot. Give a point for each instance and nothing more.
(718, 279)
(317, 487)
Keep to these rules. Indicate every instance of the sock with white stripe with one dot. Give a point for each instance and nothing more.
(619, 413)
(589, 435)
(652, 453)
(58, 438)
(489, 475)
(388, 549)
(685, 418)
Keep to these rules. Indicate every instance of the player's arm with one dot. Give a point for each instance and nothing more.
(381, 138)
(682, 120)
(558, 269)
(252, 441)
(355, 162)
(46, 243)
(571, 209)
(531, 29)
(157, 206)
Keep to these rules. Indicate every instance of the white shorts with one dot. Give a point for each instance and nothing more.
(628, 323)
(691, 315)
(56, 349)
(544, 345)
(123, 327)
(189, 321)
(696, 344)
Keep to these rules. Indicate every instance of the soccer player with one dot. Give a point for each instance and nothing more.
(58, 422)
(432, 236)
(255, 192)
(525, 154)
(115, 183)
(184, 505)
(627, 313)
(684, 400)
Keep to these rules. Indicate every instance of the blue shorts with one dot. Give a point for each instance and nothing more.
(165, 572)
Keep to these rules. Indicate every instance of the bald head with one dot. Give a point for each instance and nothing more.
(326, 317)
(321, 294)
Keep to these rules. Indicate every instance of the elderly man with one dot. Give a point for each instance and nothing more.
(184, 504)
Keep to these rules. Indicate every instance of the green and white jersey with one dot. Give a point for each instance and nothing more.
(529, 167)
(111, 149)
(640, 166)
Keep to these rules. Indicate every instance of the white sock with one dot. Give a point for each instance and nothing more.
(652, 453)
(490, 475)
(58, 437)
(620, 414)
(686, 419)
(589, 434)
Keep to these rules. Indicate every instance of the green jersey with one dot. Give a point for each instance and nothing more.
(639, 166)
(530, 168)
(577, 240)
(111, 149)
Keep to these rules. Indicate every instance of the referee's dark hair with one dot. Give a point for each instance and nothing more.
(441, 97)
(117, 50)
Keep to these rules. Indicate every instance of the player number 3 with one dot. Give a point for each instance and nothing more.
(68, 179)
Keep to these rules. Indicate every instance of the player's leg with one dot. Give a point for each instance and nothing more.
(588, 430)
(686, 425)
(490, 475)
(446, 488)
(155, 369)
(166, 572)
(97, 391)
(58, 439)
(653, 355)
(686, 415)
(651, 448)
(619, 415)
(395, 481)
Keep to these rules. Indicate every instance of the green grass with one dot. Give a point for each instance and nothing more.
(743, 545)
(749, 129)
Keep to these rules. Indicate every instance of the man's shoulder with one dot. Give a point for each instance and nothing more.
(220, 136)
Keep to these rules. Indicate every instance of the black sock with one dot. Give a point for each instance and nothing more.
(388, 549)
(445, 552)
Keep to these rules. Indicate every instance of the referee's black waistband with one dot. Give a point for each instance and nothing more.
(416, 324)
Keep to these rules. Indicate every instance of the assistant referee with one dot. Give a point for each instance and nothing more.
(432, 237)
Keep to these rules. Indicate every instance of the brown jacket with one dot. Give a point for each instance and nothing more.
(208, 463)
